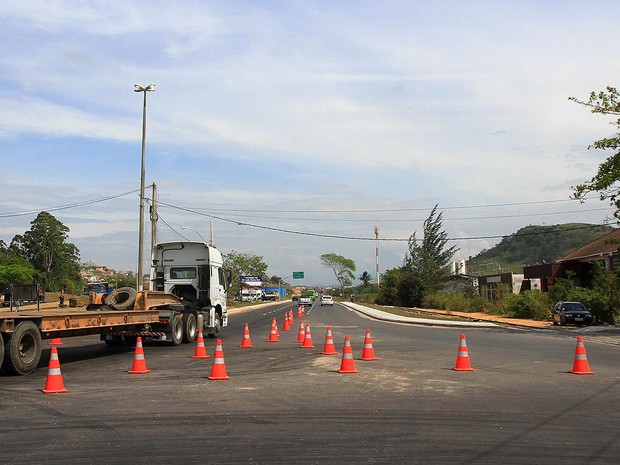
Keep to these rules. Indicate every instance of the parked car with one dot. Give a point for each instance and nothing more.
(327, 300)
(305, 300)
(571, 313)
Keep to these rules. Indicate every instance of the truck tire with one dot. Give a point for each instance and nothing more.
(189, 327)
(22, 349)
(121, 299)
(217, 326)
(177, 331)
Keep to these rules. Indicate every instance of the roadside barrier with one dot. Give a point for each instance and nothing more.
(580, 364)
(302, 332)
(368, 352)
(329, 348)
(273, 334)
(307, 344)
(218, 367)
(53, 383)
(200, 351)
(347, 365)
(462, 357)
(246, 341)
(139, 363)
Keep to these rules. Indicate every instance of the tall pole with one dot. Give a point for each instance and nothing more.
(377, 253)
(154, 217)
(144, 90)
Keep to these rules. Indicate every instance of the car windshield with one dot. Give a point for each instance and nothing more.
(573, 306)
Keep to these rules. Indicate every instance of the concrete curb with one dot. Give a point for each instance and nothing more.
(385, 316)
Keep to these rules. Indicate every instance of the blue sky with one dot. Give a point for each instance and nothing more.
(316, 117)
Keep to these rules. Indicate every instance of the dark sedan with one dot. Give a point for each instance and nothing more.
(571, 313)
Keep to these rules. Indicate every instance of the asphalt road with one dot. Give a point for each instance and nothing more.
(284, 404)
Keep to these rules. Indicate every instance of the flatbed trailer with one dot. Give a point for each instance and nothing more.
(22, 333)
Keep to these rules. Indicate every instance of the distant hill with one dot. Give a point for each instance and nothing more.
(535, 244)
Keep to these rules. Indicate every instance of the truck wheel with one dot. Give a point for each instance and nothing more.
(121, 299)
(189, 327)
(23, 349)
(177, 331)
(217, 326)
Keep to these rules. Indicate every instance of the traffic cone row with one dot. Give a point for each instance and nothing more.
(54, 382)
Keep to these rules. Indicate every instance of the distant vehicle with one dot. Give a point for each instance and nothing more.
(305, 300)
(312, 294)
(295, 298)
(571, 313)
(327, 300)
(98, 288)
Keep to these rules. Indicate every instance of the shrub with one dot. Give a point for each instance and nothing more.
(531, 305)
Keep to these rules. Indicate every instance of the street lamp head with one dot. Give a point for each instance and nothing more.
(139, 88)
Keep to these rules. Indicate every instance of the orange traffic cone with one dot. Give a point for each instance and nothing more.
(273, 334)
(347, 365)
(307, 338)
(54, 383)
(329, 348)
(218, 368)
(139, 363)
(301, 333)
(286, 326)
(200, 351)
(246, 341)
(368, 353)
(300, 311)
(580, 365)
(274, 323)
(462, 358)
(291, 319)
(56, 342)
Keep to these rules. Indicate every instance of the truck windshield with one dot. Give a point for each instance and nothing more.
(185, 272)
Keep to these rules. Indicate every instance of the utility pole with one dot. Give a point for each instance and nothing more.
(377, 252)
(154, 217)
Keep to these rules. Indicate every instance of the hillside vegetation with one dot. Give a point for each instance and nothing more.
(535, 244)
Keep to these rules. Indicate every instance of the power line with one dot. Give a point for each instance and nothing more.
(334, 236)
(388, 210)
(68, 206)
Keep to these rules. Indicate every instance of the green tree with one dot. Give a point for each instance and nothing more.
(428, 260)
(243, 264)
(606, 180)
(46, 248)
(342, 267)
(365, 278)
(15, 269)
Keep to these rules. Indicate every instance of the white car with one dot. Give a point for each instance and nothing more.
(327, 300)
(305, 301)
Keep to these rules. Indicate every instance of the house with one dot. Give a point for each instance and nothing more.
(579, 263)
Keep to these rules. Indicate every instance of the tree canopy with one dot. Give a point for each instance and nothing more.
(243, 264)
(44, 246)
(342, 267)
(606, 181)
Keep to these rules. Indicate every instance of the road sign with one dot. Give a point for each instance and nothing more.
(298, 275)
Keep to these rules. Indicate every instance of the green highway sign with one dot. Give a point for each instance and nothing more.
(298, 275)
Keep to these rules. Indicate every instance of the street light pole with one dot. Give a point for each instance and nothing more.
(192, 229)
(144, 90)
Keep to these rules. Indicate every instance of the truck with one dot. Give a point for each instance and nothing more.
(190, 287)
(194, 272)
